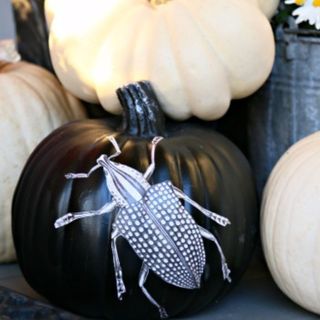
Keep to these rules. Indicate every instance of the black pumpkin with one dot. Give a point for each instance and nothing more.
(72, 266)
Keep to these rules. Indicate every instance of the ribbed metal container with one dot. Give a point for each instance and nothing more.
(287, 108)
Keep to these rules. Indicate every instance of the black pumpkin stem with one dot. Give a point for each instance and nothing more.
(143, 116)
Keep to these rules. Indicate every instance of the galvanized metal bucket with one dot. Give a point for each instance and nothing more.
(287, 108)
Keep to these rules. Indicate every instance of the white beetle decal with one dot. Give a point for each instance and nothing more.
(151, 218)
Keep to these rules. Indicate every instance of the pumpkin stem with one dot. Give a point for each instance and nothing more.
(143, 116)
(157, 2)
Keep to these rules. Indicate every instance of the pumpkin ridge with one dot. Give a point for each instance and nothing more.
(117, 70)
(202, 32)
(196, 178)
(311, 169)
(173, 71)
(40, 96)
(286, 256)
(23, 125)
(62, 145)
(135, 68)
(194, 96)
(220, 156)
(168, 23)
(27, 94)
(288, 272)
(67, 99)
(29, 220)
(8, 82)
(277, 203)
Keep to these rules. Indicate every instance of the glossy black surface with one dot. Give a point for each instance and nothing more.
(73, 266)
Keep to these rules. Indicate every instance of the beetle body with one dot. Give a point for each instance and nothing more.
(165, 236)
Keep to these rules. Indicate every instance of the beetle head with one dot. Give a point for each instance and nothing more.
(105, 162)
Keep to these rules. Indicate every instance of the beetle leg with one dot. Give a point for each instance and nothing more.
(70, 217)
(142, 279)
(208, 235)
(121, 289)
(212, 215)
(152, 166)
(116, 146)
(82, 175)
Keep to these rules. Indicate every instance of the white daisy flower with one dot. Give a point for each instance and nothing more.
(309, 11)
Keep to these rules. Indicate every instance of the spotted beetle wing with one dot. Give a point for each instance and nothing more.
(165, 236)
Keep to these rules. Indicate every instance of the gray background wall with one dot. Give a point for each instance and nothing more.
(6, 20)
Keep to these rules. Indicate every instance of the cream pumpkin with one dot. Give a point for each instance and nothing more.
(290, 223)
(269, 7)
(198, 54)
(32, 104)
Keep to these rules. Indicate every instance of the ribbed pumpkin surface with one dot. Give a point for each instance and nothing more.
(32, 104)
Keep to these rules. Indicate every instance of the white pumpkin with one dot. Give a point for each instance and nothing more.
(32, 104)
(198, 54)
(290, 223)
(269, 7)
